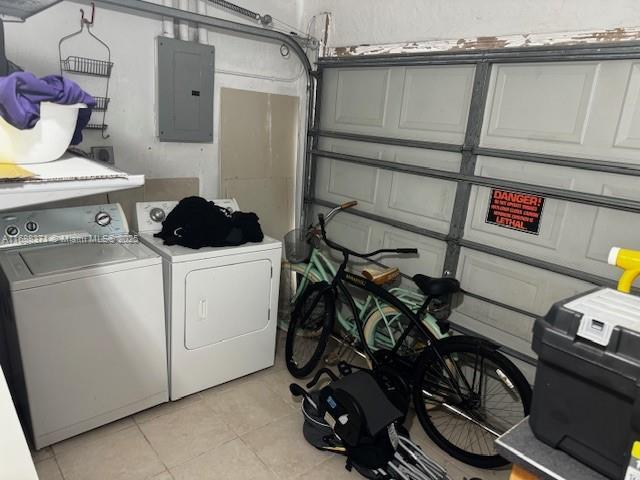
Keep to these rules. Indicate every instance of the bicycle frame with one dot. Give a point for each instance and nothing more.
(338, 284)
(324, 269)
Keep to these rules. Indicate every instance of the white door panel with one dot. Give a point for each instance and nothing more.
(436, 99)
(525, 287)
(583, 109)
(543, 102)
(358, 182)
(428, 103)
(361, 97)
(214, 314)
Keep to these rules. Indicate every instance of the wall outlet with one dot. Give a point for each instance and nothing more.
(103, 154)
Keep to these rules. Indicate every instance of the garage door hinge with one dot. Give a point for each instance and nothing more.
(269, 315)
(271, 272)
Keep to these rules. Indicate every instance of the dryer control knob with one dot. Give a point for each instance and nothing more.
(103, 219)
(157, 214)
(12, 231)
(31, 226)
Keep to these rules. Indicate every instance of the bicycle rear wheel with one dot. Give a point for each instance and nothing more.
(465, 405)
(309, 329)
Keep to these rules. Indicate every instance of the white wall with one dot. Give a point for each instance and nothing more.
(132, 115)
(387, 21)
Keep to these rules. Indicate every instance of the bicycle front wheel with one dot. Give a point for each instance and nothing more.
(465, 395)
(309, 329)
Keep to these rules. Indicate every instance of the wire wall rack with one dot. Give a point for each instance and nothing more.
(86, 66)
(93, 67)
(102, 104)
(96, 126)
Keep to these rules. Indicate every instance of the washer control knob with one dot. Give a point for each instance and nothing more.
(103, 219)
(157, 214)
(31, 226)
(12, 231)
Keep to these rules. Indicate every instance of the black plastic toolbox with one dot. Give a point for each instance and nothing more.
(586, 399)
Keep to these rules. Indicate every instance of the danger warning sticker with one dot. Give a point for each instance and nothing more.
(514, 210)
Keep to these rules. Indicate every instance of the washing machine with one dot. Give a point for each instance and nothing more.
(82, 337)
(221, 304)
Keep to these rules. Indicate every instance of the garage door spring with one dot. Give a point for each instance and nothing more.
(265, 19)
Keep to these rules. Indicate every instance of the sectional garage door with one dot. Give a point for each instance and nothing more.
(430, 150)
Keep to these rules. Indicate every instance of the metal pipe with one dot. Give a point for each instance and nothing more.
(203, 33)
(235, 28)
(213, 23)
(168, 27)
(183, 25)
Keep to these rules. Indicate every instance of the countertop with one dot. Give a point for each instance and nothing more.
(520, 446)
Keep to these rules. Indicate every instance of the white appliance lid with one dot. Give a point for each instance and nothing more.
(604, 310)
(177, 253)
(68, 257)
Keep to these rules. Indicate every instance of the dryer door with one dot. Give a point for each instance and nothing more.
(226, 302)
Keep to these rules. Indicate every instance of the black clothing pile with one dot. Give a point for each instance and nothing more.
(196, 223)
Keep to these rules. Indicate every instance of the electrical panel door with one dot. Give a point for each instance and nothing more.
(185, 91)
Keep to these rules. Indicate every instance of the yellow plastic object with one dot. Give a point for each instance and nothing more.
(635, 451)
(9, 171)
(629, 261)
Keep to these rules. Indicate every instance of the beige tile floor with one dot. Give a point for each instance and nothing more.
(250, 428)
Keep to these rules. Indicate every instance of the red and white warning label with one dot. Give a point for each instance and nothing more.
(515, 210)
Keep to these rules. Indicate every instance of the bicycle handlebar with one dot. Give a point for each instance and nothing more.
(322, 220)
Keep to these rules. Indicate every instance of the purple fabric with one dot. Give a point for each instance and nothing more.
(22, 92)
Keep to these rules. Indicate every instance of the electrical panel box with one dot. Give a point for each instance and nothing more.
(185, 91)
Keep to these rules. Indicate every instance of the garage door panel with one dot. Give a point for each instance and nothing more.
(353, 181)
(424, 201)
(582, 109)
(430, 258)
(628, 132)
(543, 102)
(513, 327)
(611, 228)
(436, 99)
(362, 97)
(413, 199)
(571, 234)
(525, 287)
(428, 103)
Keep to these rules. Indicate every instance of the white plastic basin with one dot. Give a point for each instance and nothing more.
(45, 142)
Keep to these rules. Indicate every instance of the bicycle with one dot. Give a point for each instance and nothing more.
(465, 393)
(382, 322)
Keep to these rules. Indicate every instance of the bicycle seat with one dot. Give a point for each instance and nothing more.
(435, 287)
